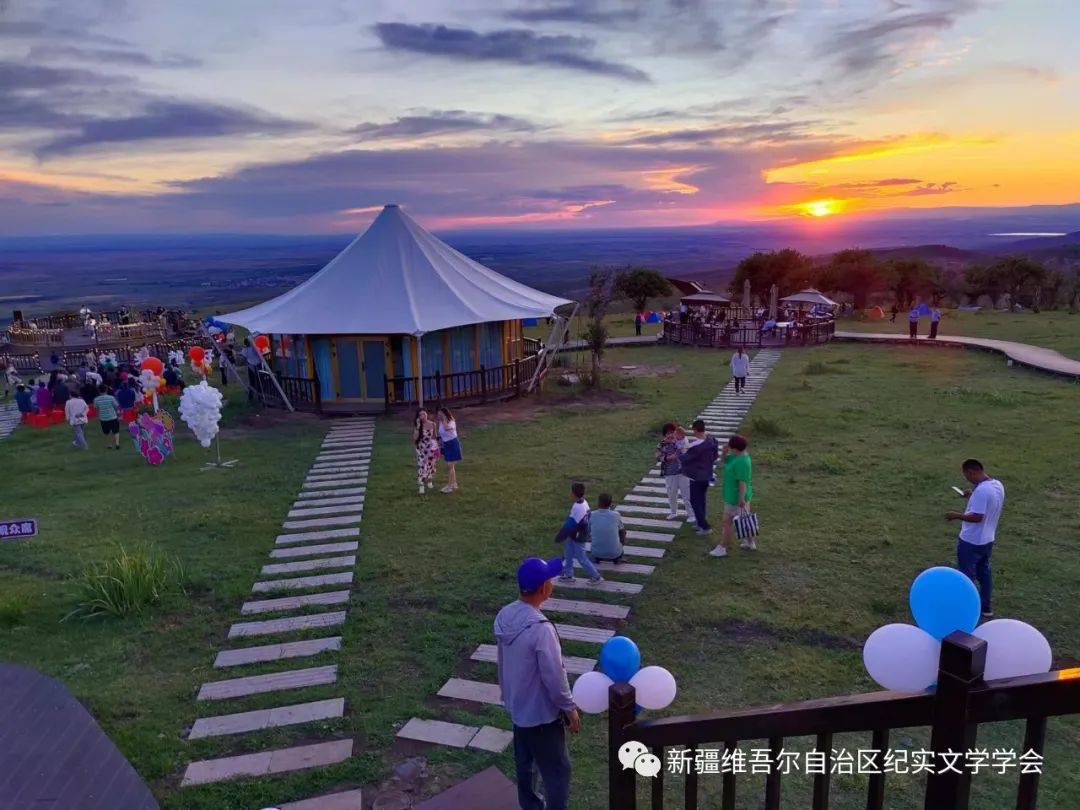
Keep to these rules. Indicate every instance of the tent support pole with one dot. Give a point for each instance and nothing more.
(419, 370)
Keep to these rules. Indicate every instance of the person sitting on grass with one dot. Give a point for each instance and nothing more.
(606, 531)
(534, 689)
(573, 534)
(109, 416)
(738, 490)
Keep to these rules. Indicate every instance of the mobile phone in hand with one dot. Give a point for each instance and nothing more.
(958, 491)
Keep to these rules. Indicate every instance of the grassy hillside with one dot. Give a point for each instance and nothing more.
(855, 448)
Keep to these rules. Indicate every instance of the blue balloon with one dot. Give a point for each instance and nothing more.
(620, 659)
(944, 600)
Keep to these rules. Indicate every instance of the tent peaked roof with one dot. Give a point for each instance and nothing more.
(396, 278)
(809, 296)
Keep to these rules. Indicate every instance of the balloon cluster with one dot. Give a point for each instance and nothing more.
(905, 657)
(262, 343)
(151, 369)
(200, 408)
(107, 360)
(200, 363)
(620, 662)
(153, 436)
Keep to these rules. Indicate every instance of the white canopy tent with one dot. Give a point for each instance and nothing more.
(396, 278)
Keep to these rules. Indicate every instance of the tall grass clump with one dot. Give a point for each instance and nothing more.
(127, 585)
(765, 428)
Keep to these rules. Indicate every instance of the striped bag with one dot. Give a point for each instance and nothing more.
(746, 525)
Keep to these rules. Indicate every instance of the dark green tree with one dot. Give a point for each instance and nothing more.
(639, 284)
(1021, 276)
(788, 269)
(909, 278)
(853, 271)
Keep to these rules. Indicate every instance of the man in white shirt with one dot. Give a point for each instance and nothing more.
(740, 368)
(977, 532)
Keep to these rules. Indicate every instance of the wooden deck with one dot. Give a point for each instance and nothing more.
(53, 754)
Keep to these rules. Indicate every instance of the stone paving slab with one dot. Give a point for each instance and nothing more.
(308, 503)
(607, 611)
(636, 551)
(476, 691)
(659, 499)
(307, 537)
(333, 509)
(651, 488)
(348, 561)
(281, 760)
(645, 510)
(624, 567)
(653, 479)
(346, 800)
(573, 664)
(329, 468)
(344, 578)
(260, 719)
(332, 476)
(573, 632)
(344, 444)
(271, 682)
(343, 461)
(276, 652)
(325, 484)
(454, 735)
(314, 523)
(332, 493)
(607, 586)
(656, 537)
(268, 627)
(341, 456)
(489, 738)
(641, 521)
(303, 551)
(294, 602)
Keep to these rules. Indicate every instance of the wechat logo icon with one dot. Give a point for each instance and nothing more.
(637, 756)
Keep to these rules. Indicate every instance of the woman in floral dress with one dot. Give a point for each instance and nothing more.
(427, 450)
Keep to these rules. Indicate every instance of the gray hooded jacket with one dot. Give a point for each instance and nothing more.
(531, 674)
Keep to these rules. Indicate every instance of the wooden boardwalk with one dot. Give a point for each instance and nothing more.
(1021, 354)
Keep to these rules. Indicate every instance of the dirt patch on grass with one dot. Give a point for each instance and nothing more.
(647, 369)
(529, 408)
(255, 422)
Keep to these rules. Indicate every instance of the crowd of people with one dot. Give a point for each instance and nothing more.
(111, 389)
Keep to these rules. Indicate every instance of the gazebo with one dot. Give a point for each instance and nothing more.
(396, 306)
(808, 299)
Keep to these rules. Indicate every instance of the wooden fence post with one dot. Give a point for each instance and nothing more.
(517, 378)
(386, 392)
(960, 669)
(483, 383)
(622, 783)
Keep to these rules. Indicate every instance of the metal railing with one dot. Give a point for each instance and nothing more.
(736, 334)
(961, 702)
(480, 384)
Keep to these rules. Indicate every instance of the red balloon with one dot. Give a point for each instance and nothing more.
(153, 364)
(197, 354)
(262, 343)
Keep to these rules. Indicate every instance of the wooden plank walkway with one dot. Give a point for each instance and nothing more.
(1023, 354)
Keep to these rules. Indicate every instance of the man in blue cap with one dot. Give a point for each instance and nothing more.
(535, 690)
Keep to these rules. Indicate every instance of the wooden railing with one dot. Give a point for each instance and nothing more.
(303, 392)
(735, 334)
(961, 702)
(481, 384)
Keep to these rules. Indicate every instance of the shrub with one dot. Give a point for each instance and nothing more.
(766, 428)
(127, 584)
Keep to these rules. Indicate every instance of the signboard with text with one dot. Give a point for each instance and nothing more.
(15, 529)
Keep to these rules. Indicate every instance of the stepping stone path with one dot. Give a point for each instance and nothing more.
(9, 417)
(323, 531)
(644, 511)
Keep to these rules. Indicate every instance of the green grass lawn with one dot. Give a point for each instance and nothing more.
(1057, 329)
(853, 466)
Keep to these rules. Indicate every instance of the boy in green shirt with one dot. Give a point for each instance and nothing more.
(109, 416)
(738, 490)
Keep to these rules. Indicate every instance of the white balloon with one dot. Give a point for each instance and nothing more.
(200, 408)
(655, 687)
(591, 692)
(1013, 648)
(902, 657)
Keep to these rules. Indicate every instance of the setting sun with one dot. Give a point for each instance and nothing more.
(820, 208)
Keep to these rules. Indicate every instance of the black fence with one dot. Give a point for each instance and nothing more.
(480, 385)
(748, 334)
(954, 711)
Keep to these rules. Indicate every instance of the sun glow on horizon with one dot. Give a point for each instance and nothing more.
(820, 208)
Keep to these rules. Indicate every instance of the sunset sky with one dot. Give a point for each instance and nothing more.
(277, 116)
